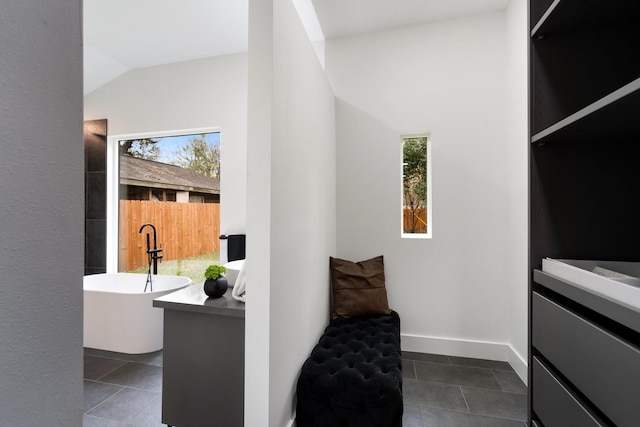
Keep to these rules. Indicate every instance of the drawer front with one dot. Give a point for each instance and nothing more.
(554, 404)
(604, 368)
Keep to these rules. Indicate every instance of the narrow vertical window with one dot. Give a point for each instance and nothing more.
(416, 186)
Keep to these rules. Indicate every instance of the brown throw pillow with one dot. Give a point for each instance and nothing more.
(358, 288)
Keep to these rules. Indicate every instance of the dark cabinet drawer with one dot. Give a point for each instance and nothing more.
(603, 367)
(554, 404)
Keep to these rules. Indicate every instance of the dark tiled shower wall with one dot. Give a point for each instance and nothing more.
(95, 196)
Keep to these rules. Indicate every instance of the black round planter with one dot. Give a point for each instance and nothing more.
(215, 288)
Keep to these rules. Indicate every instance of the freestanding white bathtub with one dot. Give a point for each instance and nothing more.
(119, 316)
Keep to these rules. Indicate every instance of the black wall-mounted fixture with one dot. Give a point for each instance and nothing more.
(236, 244)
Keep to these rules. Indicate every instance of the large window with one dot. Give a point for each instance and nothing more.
(416, 186)
(172, 182)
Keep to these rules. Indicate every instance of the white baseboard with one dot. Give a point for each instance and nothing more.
(463, 348)
(519, 364)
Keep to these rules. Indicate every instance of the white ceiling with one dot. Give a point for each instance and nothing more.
(120, 35)
(340, 18)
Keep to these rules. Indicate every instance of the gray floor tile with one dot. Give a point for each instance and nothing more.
(103, 353)
(96, 393)
(100, 353)
(136, 407)
(89, 421)
(433, 394)
(456, 375)
(425, 357)
(480, 363)
(129, 389)
(412, 416)
(510, 381)
(496, 403)
(408, 370)
(434, 417)
(136, 375)
(96, 367)
(154, 358)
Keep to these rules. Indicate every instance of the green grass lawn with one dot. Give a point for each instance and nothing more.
(192, 267)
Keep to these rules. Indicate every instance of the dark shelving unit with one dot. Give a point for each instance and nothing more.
(566, 16)
(584, 115)
(584, 82)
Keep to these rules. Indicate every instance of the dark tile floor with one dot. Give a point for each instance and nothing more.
(123, 390)
(443, 391)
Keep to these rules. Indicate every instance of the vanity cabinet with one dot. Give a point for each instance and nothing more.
(203, 359)
(584, 151)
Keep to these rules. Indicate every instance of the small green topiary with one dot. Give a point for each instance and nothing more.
(213, 271)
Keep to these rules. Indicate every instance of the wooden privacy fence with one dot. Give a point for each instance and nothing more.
(183, 230)
(417, 219)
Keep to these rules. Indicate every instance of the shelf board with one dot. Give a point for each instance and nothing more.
(614, 115)
(545, 18)
(565, 16)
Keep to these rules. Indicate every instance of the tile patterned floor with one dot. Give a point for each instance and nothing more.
(122, 390)
(443, 391)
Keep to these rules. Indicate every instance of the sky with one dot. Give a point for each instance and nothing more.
(169, 145)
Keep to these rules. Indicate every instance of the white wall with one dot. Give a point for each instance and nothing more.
(210, 92)
(41, 214)
(449, 78)
(296, 105)
(259, 141)
(517, 150)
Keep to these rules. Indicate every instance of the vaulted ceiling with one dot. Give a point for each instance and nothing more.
(120, 35)
(341, 18)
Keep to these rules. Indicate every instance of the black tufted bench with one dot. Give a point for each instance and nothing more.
(353, 376)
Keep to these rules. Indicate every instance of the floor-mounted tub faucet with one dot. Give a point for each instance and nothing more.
(152, 255)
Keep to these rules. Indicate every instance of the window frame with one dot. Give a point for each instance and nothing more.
(113, 182)
(429, 186)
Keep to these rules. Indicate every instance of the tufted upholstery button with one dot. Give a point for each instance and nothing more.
(353, 377)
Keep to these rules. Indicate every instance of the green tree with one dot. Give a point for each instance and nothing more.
(200, 156)
(142, 148)
(414, 155)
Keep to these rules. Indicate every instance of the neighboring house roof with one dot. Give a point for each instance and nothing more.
(147, 173)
